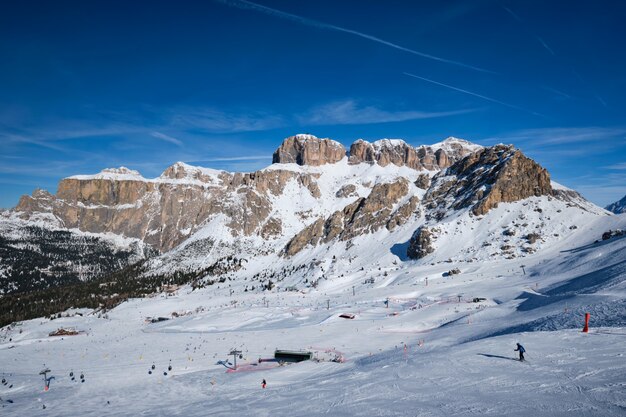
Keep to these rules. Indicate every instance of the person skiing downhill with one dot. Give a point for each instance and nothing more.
(263, 384)
(521, 351)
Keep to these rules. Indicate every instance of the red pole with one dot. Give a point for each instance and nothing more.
(586, 328)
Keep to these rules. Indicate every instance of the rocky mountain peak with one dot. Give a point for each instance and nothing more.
(41, 193)
(177, 171)
(390, 143)
(456, 145)
(181, 170)
(304, 149)
(396, 151)
(618, 207)
(121, 170)
(121, 173)
(487, 177)
(40, 200)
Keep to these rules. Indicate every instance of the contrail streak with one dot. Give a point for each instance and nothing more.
(545, 45)
(493, 100)
(247, 5)
(537, 37)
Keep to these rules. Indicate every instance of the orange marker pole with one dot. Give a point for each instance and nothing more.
(586, 328)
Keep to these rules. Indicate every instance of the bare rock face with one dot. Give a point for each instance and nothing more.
(165, 211)
(348, 190)
(365, 215)
(271, 228)
(404, 213)
(39, 201)
(420, 244)
(423, 181)
(398, 152)
(309, 150)
(385, 152)
(480, 181)
(362, 151)
(488, 177)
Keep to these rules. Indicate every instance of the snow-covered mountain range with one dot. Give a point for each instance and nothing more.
(317, 203)
(618, 207)
(409, 273)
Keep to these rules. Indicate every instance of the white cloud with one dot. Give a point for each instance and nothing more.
(239, 158)
(166, 138)
(567, 135)
(216, 121)
(620, 166)
(348, 112)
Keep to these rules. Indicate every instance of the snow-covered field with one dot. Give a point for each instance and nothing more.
(418, 346)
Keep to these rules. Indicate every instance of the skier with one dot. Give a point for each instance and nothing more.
(521, 351)
(263, 384)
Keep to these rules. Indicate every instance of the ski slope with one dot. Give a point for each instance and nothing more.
(418, 344)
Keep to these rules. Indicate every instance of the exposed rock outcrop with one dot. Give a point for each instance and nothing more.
(365, 215)
(309, 150)
(423, 181)
(398, 152)
(348, 190)
(488, 177)
(403, 213)
(420, 244)
(166, 210)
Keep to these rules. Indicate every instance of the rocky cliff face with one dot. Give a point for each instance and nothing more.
(480, 181)
(420, 244)
(165, 211)
(309, 150)
(366, 215)
(400, 153)
(488, 177)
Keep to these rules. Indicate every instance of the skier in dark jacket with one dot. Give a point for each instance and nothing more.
(521, 351)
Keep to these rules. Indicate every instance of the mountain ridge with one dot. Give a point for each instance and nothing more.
(310, 203)
(617, 207)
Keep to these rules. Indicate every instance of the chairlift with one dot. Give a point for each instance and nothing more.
(153, 367)
(72, 373)
(149, 372)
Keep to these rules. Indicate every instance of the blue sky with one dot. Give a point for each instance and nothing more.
(90, 85)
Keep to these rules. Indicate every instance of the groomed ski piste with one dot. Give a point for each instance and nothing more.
(421, 343)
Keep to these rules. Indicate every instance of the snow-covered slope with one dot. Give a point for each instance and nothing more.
(422, 342)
